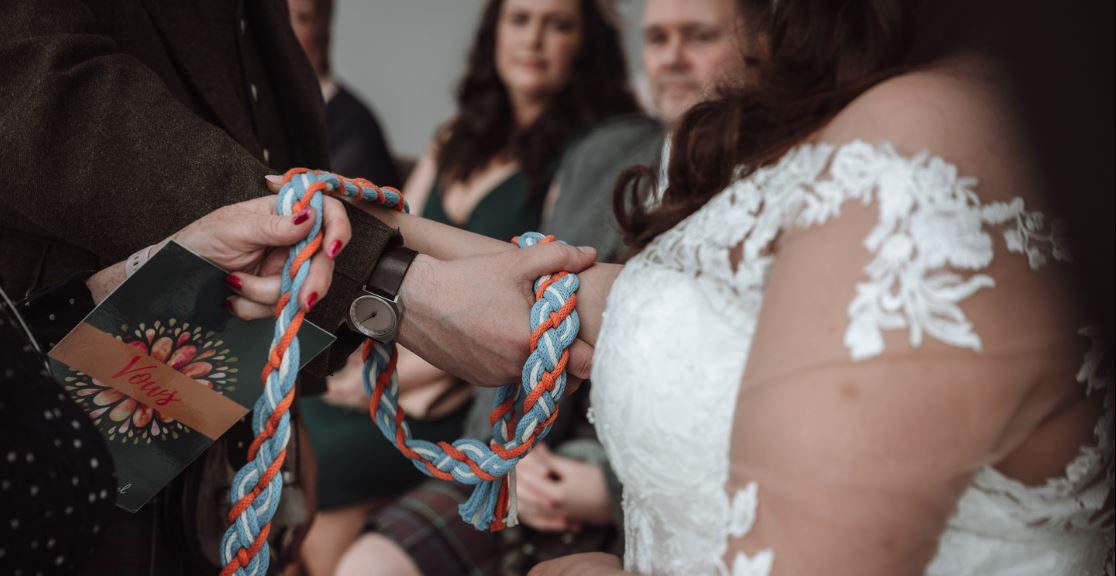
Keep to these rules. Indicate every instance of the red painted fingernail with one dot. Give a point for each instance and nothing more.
(302, 216)
(334, 249)
(228, 306)
(311, 300)
(233, 283)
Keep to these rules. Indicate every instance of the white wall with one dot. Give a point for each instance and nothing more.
(405, 58)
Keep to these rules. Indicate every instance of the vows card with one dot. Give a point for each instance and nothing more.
(163, 371)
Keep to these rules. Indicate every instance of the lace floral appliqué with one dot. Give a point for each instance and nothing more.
(929, 242)
(703, 284)
(741, 519)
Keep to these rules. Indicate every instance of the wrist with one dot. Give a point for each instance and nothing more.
(419, 278)
(102, 283)
(141, 256)
(378, 311)
(390, 270)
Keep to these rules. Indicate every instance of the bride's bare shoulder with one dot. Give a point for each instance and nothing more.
(953, 111)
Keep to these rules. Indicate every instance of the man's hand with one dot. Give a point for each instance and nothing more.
(471, 317)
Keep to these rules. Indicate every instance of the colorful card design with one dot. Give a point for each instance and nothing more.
(163, 370)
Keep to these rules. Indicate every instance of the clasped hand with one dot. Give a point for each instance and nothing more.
(559, 494)
(468, 316)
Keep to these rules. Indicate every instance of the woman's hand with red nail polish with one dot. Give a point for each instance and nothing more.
(237, 237)
(334, 249)
(250, 240)
(336, 233)
(302, 216)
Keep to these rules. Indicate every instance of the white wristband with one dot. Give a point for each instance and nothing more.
(135, 261)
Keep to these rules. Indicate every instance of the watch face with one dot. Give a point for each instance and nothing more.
(374, 317)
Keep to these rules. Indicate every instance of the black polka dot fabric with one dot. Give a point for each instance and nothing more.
(56, 479)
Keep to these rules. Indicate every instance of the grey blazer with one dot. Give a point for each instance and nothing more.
(582, 214)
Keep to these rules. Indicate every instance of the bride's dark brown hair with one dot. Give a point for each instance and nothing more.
(806, 61)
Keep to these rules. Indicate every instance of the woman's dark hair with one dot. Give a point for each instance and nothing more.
(485, 124)
(813, 58)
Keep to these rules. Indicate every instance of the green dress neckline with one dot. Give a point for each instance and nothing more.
(507, 210)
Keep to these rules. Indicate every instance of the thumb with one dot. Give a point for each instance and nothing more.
(555, 257)
(581, 361)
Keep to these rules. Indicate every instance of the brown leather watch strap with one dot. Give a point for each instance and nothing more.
(387, 275)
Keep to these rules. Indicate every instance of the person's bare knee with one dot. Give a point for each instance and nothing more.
(376, 555)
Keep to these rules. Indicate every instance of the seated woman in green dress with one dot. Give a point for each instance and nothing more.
(540, 73)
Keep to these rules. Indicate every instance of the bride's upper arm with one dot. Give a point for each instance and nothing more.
(883, 374)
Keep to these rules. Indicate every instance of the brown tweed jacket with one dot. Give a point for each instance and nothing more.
(119, 124)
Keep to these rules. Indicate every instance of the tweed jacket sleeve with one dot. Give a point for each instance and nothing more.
(101, 154)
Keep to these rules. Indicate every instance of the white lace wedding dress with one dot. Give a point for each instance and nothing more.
(680, 319)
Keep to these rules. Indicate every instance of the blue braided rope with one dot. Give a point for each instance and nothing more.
(246, 528)
(479, 509)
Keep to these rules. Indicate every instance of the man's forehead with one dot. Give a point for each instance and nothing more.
(686, 13)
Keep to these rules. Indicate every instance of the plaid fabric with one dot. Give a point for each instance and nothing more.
(426, 525)
(424, 522)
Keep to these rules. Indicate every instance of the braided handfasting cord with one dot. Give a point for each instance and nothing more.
(256, 488)
(522, 415)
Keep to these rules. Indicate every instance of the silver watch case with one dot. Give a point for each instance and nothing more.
(375, 316)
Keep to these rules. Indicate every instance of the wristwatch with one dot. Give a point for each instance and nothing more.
(377, 312)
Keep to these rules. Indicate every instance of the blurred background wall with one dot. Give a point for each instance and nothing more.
(405, 57)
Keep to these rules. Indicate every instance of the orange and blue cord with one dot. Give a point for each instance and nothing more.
(522, 414)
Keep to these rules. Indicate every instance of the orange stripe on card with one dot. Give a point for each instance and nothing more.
(147, 380)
